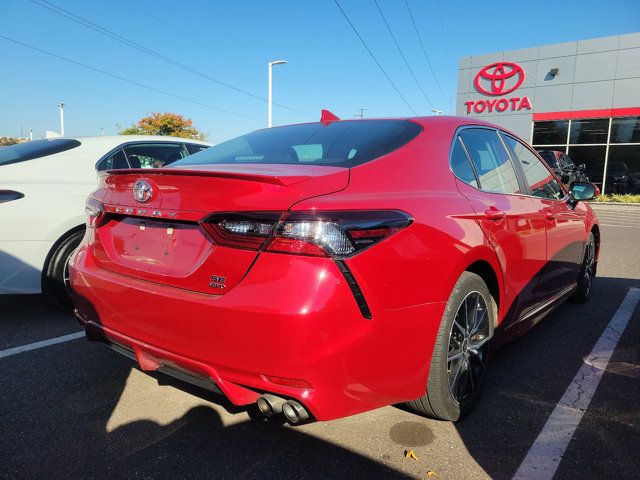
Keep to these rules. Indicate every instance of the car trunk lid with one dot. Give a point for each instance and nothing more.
(162, 240)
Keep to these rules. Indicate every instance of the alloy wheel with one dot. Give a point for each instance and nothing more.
(66, 276)
(589, 263)
(468, 347)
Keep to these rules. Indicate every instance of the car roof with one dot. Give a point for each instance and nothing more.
(441, 120)
(114, 140)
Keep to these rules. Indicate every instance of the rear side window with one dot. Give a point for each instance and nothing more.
(341, 144)
(194, 148)
(35, 149)
(491, 161)
(461, 165)
(541, 182)
(115, 161)
(154, 155)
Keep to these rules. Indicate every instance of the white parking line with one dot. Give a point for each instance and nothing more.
(621, 226)
(42, 344)
(545, 454)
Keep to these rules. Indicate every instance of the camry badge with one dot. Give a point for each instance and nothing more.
(142, 191)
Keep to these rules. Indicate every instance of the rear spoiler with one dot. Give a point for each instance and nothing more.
(283, 180)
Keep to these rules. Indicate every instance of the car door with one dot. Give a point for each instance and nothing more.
(513, 225)
(564, 226)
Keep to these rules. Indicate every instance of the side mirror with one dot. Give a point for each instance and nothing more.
(581, 191)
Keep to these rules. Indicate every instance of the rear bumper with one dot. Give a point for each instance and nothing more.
(294, 320)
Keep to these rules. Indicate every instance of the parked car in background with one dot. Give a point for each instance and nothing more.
(325, 269)
(563, 167)
(43, 188)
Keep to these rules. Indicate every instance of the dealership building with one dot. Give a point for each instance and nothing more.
(581, 98)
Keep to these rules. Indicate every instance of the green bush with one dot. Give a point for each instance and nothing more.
(618, 198)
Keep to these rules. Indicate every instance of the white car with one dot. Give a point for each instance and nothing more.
(43, 188)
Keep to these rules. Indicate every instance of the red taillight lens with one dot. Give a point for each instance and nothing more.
(249, 231)
(295, 247)
(8, 195)
(95, 212)
(336, 234)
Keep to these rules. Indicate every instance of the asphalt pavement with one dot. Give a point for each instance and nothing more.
(78, 410)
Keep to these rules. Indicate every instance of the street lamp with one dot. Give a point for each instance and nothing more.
(270, 100)
(61, 105)
(437, 112)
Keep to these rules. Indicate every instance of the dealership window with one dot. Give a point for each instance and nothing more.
(550, 133)
(608, 147)
(625, 130)
(589, 131)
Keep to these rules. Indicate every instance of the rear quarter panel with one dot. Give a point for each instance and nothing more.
(421, 263)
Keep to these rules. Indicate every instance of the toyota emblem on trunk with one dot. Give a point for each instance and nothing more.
(142, 191)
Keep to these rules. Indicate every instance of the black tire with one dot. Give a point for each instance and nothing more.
(445, 398)
(55, 278)
(587, 272)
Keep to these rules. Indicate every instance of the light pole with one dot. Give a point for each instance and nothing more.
(437, 112)
(61, 105)
(270, 99)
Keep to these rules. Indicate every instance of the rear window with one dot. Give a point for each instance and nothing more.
(339, 144)
(35, 149)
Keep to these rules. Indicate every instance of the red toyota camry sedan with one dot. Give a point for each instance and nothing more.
(325, 269)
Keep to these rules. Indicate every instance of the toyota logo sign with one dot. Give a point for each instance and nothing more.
(142, 191)
(499, 78)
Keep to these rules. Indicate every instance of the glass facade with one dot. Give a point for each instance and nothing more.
(608, 147)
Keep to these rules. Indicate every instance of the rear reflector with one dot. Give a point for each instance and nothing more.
(9, 195)
(335, 234)
(288, 382)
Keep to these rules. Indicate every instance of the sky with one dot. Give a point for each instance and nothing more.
(207, 60)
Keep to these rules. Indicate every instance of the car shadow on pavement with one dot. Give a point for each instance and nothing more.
(56, 420)
(529, 376)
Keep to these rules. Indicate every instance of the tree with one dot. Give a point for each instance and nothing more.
(7, 141)
(170, 124)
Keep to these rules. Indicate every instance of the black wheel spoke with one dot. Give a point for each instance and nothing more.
(456, 373)
(468, 343)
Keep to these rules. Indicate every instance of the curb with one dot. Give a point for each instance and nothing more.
(613, 204)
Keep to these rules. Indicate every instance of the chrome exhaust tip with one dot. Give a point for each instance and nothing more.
(270, 405)
(294, 412)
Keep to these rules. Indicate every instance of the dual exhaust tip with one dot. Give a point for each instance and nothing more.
(270, 405)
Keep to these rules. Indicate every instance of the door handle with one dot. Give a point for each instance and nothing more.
(549, 214)
(494, 214)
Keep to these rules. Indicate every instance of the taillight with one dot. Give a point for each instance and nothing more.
(8, 195)
(95, 212)
(335, 234)
(243, 230)
(339, 233)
